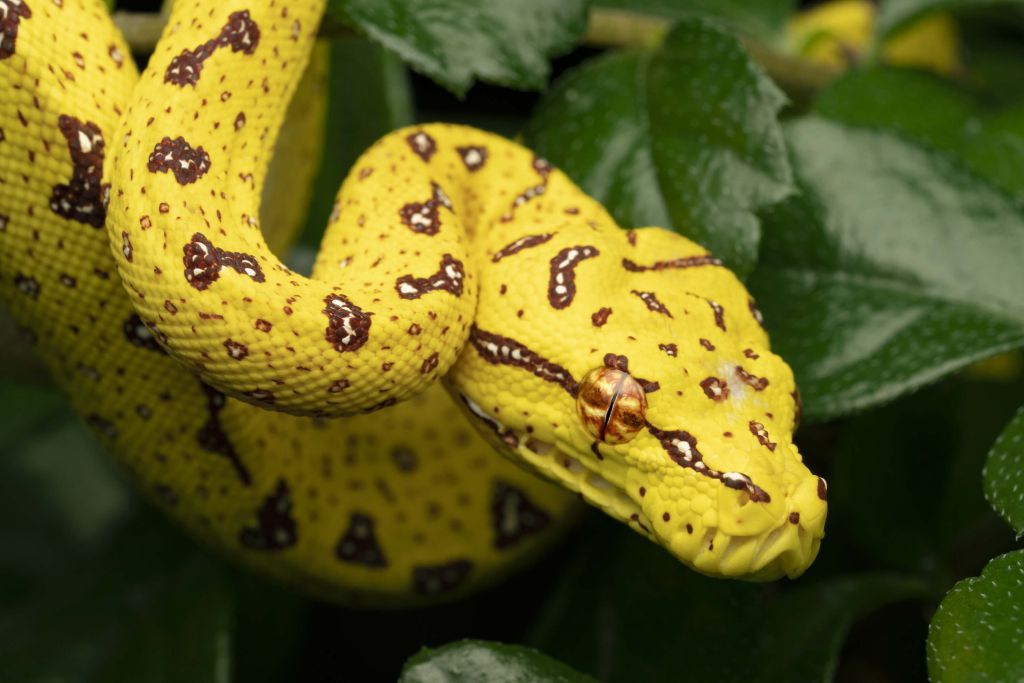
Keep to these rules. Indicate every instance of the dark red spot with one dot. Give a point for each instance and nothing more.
(240, 33)
(348, 327)
(275, 528)
(422, 144)
(600, 316)
(562, 279)
(715, 389)
(520, 244)
(188, 164)
(13, 12)
(82, 198)
(449, 278)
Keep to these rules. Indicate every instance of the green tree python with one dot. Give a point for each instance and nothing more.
(337, 431)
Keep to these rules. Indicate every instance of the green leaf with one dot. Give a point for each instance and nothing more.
(1004, 474)
(77, 602)
(938, 113)
(479, 661)
(978, 632)
(760, 18)
(458, 41)
(625, 610)
(928, 508)
(685, 137)
(354, 123)
(895, 14)
(894, 267)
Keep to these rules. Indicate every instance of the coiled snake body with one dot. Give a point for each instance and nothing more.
(627, 366)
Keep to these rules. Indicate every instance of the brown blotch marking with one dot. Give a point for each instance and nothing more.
(338, 386)
(758, 430)
(652, 303)
(430, 364)
(562, 280)
(449, 277)
(348, 326)
(473, 156)
(422, 144)
(757, 383)
(240, 33)
(404, 458)
(514, 516)
(600, 317)
(798, 408)
(822, 489)
(213, 439)
(681, 447)
(275, 528)
(706, 343)
(520, 244)
(500, 350)
(81, 199)
(756, 312)
(140, 335)
(203, 262)
(358, 545)
(678, 263)
(115, 54)
(424, 217)
(436, 579)
(13, 12)
(719, 314)
(715, 388)
(4, 219)
(794, 517)
(670, 350)
(236, 350)
(188, 164)
(263, 325)
(27, 285)
(126, 247)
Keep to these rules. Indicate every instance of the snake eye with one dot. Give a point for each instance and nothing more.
(611, 405)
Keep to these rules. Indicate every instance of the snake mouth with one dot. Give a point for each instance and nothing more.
(786, 548)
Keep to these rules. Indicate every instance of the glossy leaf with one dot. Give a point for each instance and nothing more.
(894, 267)
(938, 113)
(1004, 474)
(625, 610)
(760, 18)
(458, 41)
(685, 137)
(478, 661)
(978, 632)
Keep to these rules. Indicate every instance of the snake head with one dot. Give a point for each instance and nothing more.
(646, 384)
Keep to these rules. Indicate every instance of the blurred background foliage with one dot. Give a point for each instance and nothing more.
(862, 165)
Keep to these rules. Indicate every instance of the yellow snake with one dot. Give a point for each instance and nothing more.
(297, 423)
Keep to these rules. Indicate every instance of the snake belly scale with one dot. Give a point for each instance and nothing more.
(337, 431)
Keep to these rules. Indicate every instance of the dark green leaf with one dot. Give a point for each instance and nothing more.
(457, 41)
(478, 661)
(938, 113)
(895, 14)
(1004, 474)
(76, 605)
(685, 137)
(922, 480)
(761, 18)
(625, 610)
(894, 267)
(978, 632)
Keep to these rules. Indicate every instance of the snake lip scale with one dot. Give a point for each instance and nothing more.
(337, 431)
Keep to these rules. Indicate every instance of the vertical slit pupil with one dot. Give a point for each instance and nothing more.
(611, 404)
